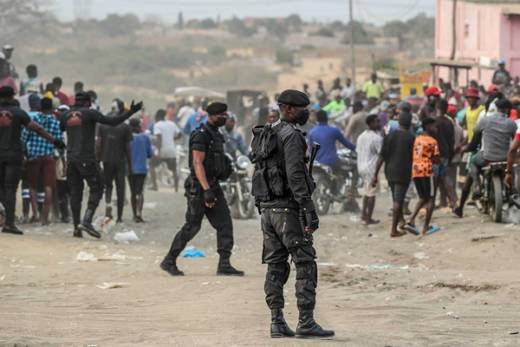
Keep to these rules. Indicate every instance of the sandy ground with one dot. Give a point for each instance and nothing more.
(459, 287)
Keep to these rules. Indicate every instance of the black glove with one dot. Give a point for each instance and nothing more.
(134, 108)
(309, 216)
(209, 196)
(59, 144)
(311, 220)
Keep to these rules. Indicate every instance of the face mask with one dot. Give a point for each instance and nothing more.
(302, 117)
(221, 121)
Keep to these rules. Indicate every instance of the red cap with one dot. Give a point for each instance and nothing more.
(492, 88)
(452, 110)
(432, 91)
(472, 93)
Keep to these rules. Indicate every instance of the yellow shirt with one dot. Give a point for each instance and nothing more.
(472, 120)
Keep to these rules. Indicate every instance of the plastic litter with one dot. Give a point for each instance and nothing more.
(85, 256)
(126, 236)
(112, 285)
(420, 255)
(192, 252)
(150, 205)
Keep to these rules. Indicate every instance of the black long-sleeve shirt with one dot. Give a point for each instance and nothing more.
(80, 125)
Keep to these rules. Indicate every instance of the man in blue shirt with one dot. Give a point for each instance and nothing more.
(196, 120)
(327, 136)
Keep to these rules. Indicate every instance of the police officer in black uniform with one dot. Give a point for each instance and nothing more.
(12, 119)
(282, 187)
(208, 165)
(80, 124)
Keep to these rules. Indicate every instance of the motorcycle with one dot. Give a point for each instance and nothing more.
(494, 191)
(237, 189)
(332, 188)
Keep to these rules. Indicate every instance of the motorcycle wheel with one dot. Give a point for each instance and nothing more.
(321, 197)
(496, 200)
(244, 209)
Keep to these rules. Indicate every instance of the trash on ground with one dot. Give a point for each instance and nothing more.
(112, 285)
(111, 257)
(484, 238)
(420, 255)
(126, 236)
(85, 256)
(326, 264)
(150, 205)
(378, 267)
(192, 252)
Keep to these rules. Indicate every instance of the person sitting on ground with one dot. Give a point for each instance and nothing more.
(368, 147)
(495, 133)
(425, 154)
(397, 155)
(141, 149)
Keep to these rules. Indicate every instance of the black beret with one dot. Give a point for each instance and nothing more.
(293, 97)
(6, 92)
(216, 108)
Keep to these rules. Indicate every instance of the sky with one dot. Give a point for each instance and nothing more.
(374, 11)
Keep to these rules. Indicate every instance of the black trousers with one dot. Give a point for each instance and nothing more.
(10, 175)
(77, 173)
(219, 217)
(63, 198)
(283, 236)
(117, 172)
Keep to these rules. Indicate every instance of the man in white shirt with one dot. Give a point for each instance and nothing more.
(165, 132)
(368, 148)
(349, 90)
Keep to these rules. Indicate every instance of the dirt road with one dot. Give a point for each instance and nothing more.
(459, 287)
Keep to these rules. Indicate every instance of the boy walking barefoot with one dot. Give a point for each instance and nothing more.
(425, 154)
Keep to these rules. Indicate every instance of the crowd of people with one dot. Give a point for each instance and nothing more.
(436, 141)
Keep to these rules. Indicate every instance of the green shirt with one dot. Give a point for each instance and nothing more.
(373, 90)
(335, 106)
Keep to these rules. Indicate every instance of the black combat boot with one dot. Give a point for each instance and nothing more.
(169, 264)
(77, 232)
(308, 328)
(279, 327)
(12, 229)
(87, 226)
(225, 268)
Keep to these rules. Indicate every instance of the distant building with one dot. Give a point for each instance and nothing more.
(485, 31)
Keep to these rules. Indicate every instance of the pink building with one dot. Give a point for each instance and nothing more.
(485, 31)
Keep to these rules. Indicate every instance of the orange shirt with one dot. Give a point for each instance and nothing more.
(425, 148)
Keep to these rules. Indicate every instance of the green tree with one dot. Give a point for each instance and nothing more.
(22, 16)
(395, 28)
(120, 25)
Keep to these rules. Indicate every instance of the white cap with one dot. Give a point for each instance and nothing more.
(2, 56)
(8, 48)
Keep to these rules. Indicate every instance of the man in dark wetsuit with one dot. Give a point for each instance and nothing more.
(80, 124)
(282, 187)
(208, 165)
(12, 119)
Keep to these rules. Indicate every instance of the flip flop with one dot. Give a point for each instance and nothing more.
(433, 229)
(411, 228)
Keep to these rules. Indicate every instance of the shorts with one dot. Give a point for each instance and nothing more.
(399, 191)
(43, 168)
(441, 169)
(425, 187)
(368, 190)
(137, 183)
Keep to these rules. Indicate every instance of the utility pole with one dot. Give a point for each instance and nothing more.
(352, 46)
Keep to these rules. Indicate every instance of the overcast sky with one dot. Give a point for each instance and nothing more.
(375, 11)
